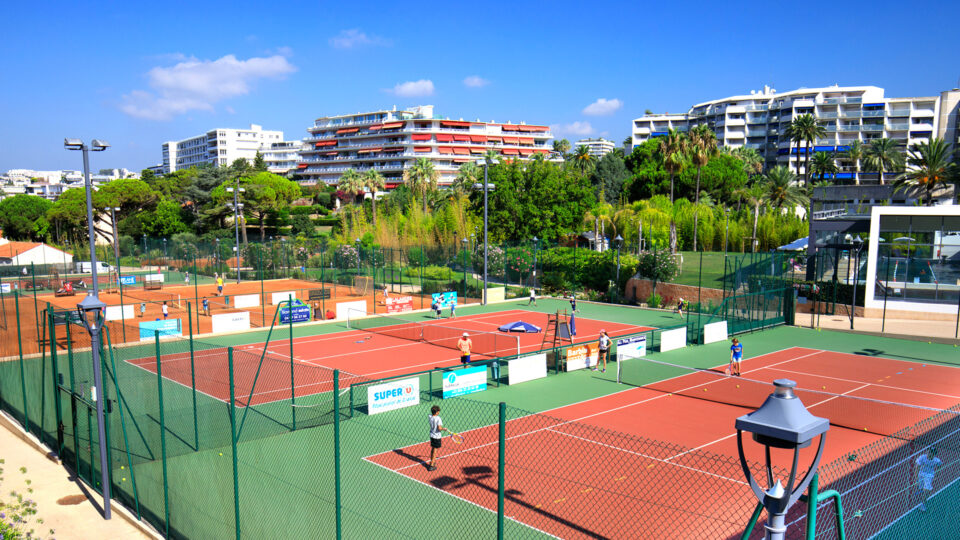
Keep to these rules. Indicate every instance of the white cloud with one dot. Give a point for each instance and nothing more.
(475, 81)
(348, 39)
(421, 88)
(573, 128)
(603, 107)
(199, 84)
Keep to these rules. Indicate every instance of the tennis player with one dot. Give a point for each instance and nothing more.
(533, 297)
(573, 304)
(165, 309)
(206, 307)
(219, 285)
(736, 354)
(680, 307)
(386, 293)
(465, 345)
(604, 347)
(437, 308)
(927, 465)
(453, 309)
(436, 432)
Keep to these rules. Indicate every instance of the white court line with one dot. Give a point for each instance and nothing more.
(180, 383)
(872, 384)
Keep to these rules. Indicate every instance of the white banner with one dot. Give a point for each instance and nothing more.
(527, 368)
(231, 322)
(714, 332)
(246, 300)
(116, 313)
(634, 347)
(463, 381)
(673, 339)
(153, 277)
(277, 297)
(393, 395)
(344, 307)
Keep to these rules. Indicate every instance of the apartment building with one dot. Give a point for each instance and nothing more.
(391, 141)
(596, 147)
(221, 147)
(849, 113)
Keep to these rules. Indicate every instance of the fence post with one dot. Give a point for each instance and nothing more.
(323, 297)
(36, 309)
(699, 301)
(263, 297)
(293, 386)
(233, 444)
(193, 379)
(336, 452)
(196, 290)
(501, 465)
(58, 408)
(163, 438)
(23, 382)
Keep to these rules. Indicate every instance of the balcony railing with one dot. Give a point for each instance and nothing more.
(872, 114)
(828, 115)
(872, 127)
(838, 100)
(898, 127)
(898, 112)
(848, 129)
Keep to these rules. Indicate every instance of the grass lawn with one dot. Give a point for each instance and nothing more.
(712, 269)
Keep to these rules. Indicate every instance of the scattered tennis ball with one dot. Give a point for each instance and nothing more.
(929, 342)
(122, 467)
(823, 387)
(123, 479)
(738, 386)
(221, 453)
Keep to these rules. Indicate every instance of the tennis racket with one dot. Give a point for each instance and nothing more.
(456, 438)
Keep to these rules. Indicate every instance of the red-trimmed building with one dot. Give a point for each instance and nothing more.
(391, 141)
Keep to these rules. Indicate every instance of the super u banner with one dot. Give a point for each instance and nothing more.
(393, 395)
(444, 299)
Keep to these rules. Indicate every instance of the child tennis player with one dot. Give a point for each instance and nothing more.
(927, 465)
(437, 308)
(465, 345)
(736, 354)
(680, 307)
(436, 432)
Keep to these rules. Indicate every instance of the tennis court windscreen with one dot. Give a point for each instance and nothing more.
(845, 410)
(491, 344)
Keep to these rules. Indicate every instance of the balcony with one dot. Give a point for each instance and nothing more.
(850, 114)
(898, 127)
(840, 100)
(872, 127)
(848, 129)
(757, 120)
(754, 146)
(872, 114)
(898, 112)
(754, 107)
(828, 115)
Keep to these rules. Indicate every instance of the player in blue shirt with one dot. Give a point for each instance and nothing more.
(736, 354)
(927, 465)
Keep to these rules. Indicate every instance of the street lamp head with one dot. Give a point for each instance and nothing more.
(535, 239)
(464, 240)
(99, 145)
(73, 144)
(618, 239)
(89, 310)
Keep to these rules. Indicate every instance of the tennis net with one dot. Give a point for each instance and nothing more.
(155, 296)
(491, 344)
(877, 416)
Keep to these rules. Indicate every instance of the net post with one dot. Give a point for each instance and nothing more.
(23, 382)
(336, 452)
(163, 437)
(501, 465)
(293, 386)
(233, 445)
(193, 380)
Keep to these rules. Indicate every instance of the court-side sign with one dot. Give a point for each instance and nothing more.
(393, 395)
(127, 280)
(300, 312)
(167, 328)
(460, 382)
(445, 298)
(230, 322)
(399, 304)
(632, 347)
(582, 356)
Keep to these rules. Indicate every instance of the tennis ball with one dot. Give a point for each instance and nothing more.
(929, 342)
(221, 453)
(823, 387)
(123, 479)
(122, 467)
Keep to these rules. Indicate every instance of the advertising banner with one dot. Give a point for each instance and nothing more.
(127, 280)
(393, 395)
(169, 327)
(582, 356)
(714, 332)
(278, 297)
(300, 312)
(116, 313)
(246, 300)
(460, 382)
(399, 304)
(673, 339)
(230, 322)
(632, 347)
(445, 298)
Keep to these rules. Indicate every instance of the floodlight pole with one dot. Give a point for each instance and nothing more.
(486, 163)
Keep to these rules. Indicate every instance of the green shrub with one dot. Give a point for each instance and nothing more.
(655, 301)
(443, 273)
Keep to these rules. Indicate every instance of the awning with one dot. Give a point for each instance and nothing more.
(302, 166)
(326, 143)
(394, 149)
(452, 123)
(797, 245)
(421, 136)
(445, 149)
(421, 148)
(520, 326)
(510, 151)
(526, 140)
(526, 151)
(461, 138)
(461, 160)
(369, 150)
(375, 127)
(478, 138)
(477, 150)
(511, 140)
(347, 130)
(392, 125)
(542, 151)
(461, 150)
(444, 137)
(494, 139)
(331, 153)
(391, 185)
(509, 127)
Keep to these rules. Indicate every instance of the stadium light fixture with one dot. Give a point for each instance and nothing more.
(782, 422)
(486, 162)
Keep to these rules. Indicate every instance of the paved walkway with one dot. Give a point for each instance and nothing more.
(61, 502)
(940, 331)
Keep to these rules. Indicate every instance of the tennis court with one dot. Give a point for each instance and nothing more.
(387, 346)
(866, 399)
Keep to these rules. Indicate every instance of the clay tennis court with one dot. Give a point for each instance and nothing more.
(694, 411)
(359, 352)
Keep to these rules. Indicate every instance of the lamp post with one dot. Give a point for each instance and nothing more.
(619, 241)
(284, 259)
(464, 263)
(237, 207)
(536, 253)
(217, 240)
(164, 252)
(858, 247)
(781, 422)
(726, 231)
(358, 255)
(89, 310)
(116, 241)
(144, 245)
(486, 162)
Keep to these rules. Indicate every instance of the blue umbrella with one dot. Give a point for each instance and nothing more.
(520, 326)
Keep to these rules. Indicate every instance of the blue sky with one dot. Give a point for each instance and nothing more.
(138, 73)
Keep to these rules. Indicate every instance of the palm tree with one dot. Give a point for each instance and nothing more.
(751, 159)
(421, 177)
(930, 167)
(703, 146)
(468, 175)
(823, 164)
(782, 189)
(755, 195)
(561, 147)
(373, 181)
(582, 159)
(855, 154)
(351, 182)
(673, 148)
(883, 155)
(805, 129)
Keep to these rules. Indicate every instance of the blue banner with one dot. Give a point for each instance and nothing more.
(445, 299)
(301, 312)
(461, 382)
(127, 280)
(169, 327)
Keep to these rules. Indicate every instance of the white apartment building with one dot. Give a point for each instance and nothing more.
(282, 157)
(220, 147)
(390, 141)
(596, 147)
(849, 113)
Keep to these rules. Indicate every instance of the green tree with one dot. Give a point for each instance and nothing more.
(165, 221)
(673, 151)
(855, 154)
(883, 155)
(608, 177)
(147, 175)
(468, 175)
(302, 224)
(782, 189)
(703, 146)
(582, 160)
(351, 183)
(19, 216)
(259, 164)
(805, 129)
(657, 265)
(751, 159)
(930, 167)
(561, 147)
(422, 178)
(265, 193)
(374, 181)
(823, 164)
